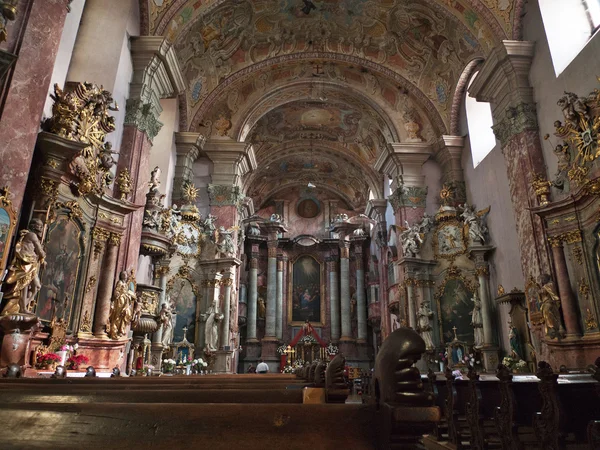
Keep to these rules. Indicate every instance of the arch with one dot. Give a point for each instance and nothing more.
(253, 113)
(423, 101)
(273, 192)
(459, 94)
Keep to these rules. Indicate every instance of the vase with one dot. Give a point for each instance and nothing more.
(188, 369)
(63, 356)
(442, 368)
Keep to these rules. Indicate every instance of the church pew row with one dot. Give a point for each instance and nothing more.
(524, 412)
(116, 395)
(160, 426)
(194, 379)
(66, 385)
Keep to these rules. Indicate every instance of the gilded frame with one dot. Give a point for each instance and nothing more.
(463, 240)
(7, 234)
(290, 292)
(184, 273)
(453, 273)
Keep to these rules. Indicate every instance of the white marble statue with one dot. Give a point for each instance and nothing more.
(166, 321)
(424, 316)
(411, 240)
(475, 220)
(209, 225)
(154, 183)
(211, 329)
(477, 321)
(225, 247)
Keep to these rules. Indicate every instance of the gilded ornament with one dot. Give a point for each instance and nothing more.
(124, 183)
(114, 239)
(501, 290)
(572, 237)
(584, 289)
(555, 241)
(90, 284)
(82, 115)
(222, 125)
(153, 249)
(482, 271)
(570, 219)
(542, 189)
(149, 302)
(578, 255)
(161, 271)
(49, 188)
(590, 320)
(73, 208)
(184, 271)
(52, 163)
(189, 192)
(8, 12)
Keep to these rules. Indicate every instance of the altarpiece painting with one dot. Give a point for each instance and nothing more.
(455, 307)
(183, 296)
(306, 292)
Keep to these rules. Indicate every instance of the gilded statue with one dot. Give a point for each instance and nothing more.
(262, 309)
(121, 308)
(22, 281)
(550, 304)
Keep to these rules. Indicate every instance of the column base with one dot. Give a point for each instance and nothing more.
(223, 362)
(269, 354)
(252, 341)
(156, 351)
(490, 358)
(346, 339)
(102, 335)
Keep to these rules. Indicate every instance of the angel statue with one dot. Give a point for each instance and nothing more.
(424, 316)
(476, 223)
(477, 321)
(154, 183)
(209, 225)
(411, 240)
(211, 331)
(225, 247)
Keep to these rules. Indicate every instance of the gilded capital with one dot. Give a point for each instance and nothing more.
(555, 241)
(115, 239)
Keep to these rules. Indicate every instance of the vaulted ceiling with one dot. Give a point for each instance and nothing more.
(328, 82)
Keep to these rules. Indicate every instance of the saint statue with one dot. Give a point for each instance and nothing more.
(224, 244)
(353, 307)
(121, 308)
(262, 309)
(516, 351)
(22, 281)
(166, 321)
(154, 183)
(550, 302)
(424, 316)
(475, 221)
(211, 330)
(477, 321)
(209, 225)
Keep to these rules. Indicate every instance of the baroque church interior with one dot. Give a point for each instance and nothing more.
(389, 206)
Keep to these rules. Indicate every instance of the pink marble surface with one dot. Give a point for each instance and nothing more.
(19, 124)
(135, 156)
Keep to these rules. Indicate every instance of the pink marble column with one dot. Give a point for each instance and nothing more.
(105, 287)
(135, 156)
(22, 110)
(568, 302)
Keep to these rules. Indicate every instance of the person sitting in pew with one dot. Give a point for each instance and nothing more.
(262, 367)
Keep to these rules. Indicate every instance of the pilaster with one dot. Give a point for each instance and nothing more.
(188, 146)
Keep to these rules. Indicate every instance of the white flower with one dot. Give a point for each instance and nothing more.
(165, 361)
(76, 346)
(205, 364)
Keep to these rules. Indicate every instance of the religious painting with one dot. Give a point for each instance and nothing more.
(306, 292)
(7, 225)
(64, 250)
(183, 297)
(450, 240)
(532, 296)
(455, 309)
(308, 208)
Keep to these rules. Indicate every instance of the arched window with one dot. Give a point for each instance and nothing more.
(569, 25)
(479, 121)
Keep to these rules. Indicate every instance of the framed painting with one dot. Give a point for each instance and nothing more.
(183, 296)
(8, 222)
(455, 307)
(306, 292)
(60, 276)
(450, 240)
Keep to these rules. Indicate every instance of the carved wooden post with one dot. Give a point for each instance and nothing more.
(451, 415)
(505, 413)
(547, 422)
(473, 410)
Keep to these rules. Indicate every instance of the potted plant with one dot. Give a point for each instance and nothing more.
(75, 361)
(48, 361)
(168, 365)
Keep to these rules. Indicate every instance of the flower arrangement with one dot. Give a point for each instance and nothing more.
(168, 365)
(77, 360)
(515, 365)
(199, 365)
(288, 369)
(48, 359)
(332, 349)
(69, 348)
(147, 369)
(281, 350)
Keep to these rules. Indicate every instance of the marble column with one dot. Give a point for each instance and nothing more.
(410, 299)
(568, 302)
(226, 310)
(334, 299)
(279, 298)
(105, 286)
(345, 291)
(361, 304)
(483, 274)
(503, 81)
(271, 289)
(252, 297)
(23, 103)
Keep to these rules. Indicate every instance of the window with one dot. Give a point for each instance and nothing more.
(569, 25)
(479, 121)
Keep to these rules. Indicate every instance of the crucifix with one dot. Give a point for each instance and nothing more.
(454, 329)
(185, 332)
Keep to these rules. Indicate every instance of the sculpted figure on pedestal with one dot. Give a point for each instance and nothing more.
(424, 316)
(166, 320)
(475, 220)
(22, 282)
(154, 183)
(477, 321)
(225, 247)
(211, 332)
(550, 304)
(262, 309)
(121, 308)
(411, 240)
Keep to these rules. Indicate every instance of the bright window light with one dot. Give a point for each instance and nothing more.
(479, 121)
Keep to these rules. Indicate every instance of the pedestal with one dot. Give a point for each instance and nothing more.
(156, 351)
(17, 329)
(223, 362)
(490, 358)
(104, 354)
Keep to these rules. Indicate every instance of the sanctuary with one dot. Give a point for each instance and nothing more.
(357, 193)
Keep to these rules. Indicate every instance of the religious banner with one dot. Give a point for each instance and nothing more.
(306, 292)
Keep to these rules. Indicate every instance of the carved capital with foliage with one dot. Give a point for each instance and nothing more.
(221, 195)
(519, 118)
(143, 117)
